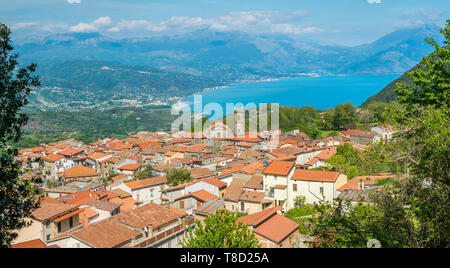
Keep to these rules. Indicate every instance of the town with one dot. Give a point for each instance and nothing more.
(116, 193)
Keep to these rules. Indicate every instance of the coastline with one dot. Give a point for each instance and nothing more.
(180, 103)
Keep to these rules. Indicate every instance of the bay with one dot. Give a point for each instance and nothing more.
(320, 92)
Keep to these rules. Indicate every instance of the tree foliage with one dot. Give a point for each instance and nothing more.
(411, 212)
(16, 195)
(220, 230)
(147, 172)
(346, 160)
(431, 80)
(178, 176)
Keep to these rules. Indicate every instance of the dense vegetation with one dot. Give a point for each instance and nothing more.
(178, 176)
(91, 125)
(411, 212)
(17, 199)
(80, 84)
(220, 230)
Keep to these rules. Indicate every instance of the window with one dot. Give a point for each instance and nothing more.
(71, 222)
(151, 193)
(48, 237)
(321, 190)
(59, 227)
(47, 224)
(294, 187)
(275, 177)
(242, 207)
(181, 204)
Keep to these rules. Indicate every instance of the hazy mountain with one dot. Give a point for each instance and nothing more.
(237, 55)
(90, 70)
(97, 84)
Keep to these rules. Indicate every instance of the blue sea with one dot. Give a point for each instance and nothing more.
(320, 92)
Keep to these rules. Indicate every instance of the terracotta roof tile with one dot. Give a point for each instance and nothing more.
(36, 243)
(315, 175)
(201, 195)
(150, 214)
(134, 185)
(279, 168)
(131, 167)
(80, 171)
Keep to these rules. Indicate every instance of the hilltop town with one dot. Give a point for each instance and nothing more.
(100, 195)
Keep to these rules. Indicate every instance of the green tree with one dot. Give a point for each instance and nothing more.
(177, 176)
(328, 119)
(300, 200)
(16, 195)
(380, 111)
(346, 160)
(345, 117)
(431, 80)
(220, 230)
(147, 172)
(411, 212)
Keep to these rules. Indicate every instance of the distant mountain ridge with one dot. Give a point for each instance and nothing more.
(96, 84)
(237, 55)
(183, 64)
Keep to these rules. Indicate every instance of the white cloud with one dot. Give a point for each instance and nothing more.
(74, 1)
(253, 22)
(374, 1)
(22, 25)
(94, 26)
(83, 28)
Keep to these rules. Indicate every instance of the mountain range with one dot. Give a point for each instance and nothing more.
(99, 67)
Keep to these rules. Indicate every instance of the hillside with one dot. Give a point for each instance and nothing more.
(96, 84)
(91, 125)
(388, 94)
(237, 55)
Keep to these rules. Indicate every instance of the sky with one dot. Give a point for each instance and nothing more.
(342, 22)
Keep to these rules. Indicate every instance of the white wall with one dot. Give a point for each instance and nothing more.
(202, 186)
(311, 191)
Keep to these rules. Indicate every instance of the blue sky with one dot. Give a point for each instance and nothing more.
(346, 22)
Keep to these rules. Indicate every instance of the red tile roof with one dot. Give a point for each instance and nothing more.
(277, 228)
(71, 152)
(80, 171)
(130, 167)
(52, 157)
(279, 168)
(256, 218)
(134, 185)
(201, 195)
(146, 215)
(36, 243)
(315, 175)
(199, 172)
(268, 223)
(105, 234)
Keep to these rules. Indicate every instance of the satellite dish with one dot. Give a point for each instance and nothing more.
(373, 243)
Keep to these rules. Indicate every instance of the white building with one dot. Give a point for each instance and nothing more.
(145, 191)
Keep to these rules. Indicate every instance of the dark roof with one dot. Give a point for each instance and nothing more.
(209, 207)
(103, 205)
(356, 195)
